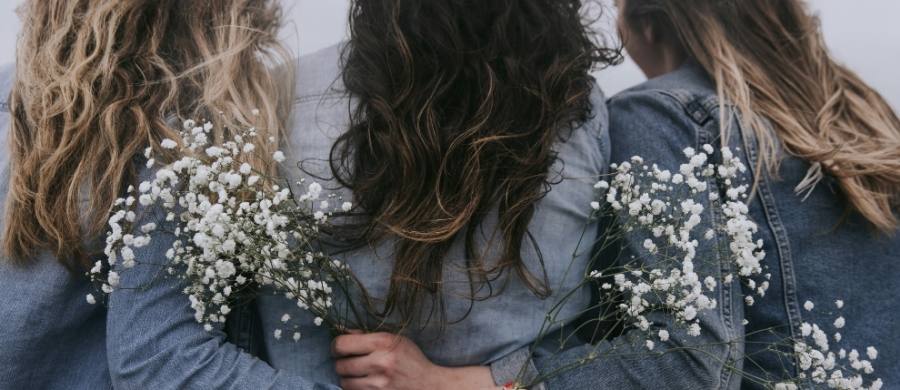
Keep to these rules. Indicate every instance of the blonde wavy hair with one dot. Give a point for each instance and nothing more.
(769, 60)
(99, 81)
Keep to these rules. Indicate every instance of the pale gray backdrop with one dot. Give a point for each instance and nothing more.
(864, 34)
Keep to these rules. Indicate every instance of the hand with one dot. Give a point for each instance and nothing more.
(382, 361)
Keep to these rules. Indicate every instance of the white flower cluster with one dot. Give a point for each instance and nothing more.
(662, 217)
(665, 210)
(232, 226)
(824, 364)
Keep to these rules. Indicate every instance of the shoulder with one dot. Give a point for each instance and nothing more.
(685, 89)
(320, 113)
(318, 74)
(320, 109)
(664, 115)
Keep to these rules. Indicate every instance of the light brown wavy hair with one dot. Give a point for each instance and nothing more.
(768, 58)
(99, 81)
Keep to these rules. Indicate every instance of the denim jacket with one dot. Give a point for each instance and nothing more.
(51, 338)
(817, 250)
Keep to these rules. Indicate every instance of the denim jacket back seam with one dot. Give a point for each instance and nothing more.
(703, 112)
(779, 232)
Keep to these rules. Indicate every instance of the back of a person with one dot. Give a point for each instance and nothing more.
(823, 150)
(816, 249)
(51, 337)
(824, 253)
(485, 329)
(86, 103)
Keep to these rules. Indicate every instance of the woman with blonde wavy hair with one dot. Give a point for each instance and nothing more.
(823, 149)
(95, 83)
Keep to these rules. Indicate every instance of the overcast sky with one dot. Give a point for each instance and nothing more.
(864, 34)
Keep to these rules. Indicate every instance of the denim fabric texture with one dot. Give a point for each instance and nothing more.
(817, 250)
(50, 337)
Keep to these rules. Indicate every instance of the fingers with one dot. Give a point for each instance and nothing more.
(356, 367)
(367, 383)
(361, 344)
(382, 362)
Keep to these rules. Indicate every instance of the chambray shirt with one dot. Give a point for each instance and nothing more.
(50, 337)
(494, 327)
(817, 250)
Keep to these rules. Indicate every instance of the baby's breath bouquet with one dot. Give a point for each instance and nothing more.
(663, 209)
(234, 226)
(671, 241)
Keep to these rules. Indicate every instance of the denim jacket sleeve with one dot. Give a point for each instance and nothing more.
(153, 341)
(658, 126)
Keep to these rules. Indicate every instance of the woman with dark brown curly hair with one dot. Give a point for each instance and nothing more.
(474, 135)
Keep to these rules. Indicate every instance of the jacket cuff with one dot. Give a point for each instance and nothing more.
(516, 368)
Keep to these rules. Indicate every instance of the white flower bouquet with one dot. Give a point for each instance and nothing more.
(233, 225)
(666, 274)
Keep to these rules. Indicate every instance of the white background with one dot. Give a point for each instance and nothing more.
(864, 34)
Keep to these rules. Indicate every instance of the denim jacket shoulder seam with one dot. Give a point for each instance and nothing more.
(698, 107)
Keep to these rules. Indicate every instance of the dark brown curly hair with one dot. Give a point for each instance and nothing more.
(460, 103)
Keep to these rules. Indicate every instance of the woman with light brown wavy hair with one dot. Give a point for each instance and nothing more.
(95, 83)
